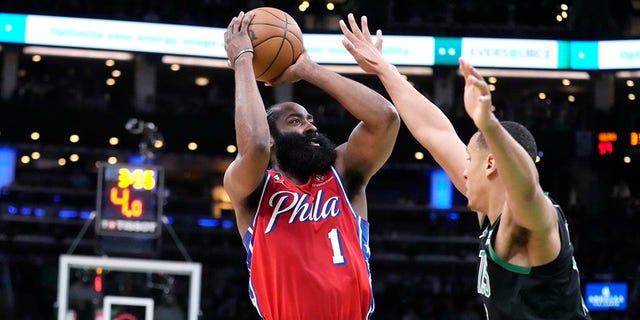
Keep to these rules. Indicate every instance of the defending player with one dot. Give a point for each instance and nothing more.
(526, 266)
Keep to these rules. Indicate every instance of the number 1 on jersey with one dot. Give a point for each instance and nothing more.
(336, 246)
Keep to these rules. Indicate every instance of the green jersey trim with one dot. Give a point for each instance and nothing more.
(507, 265)
(484, 217)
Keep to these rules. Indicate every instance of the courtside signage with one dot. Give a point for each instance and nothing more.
(327, 48)
(606, 296)
(322, 48)
(583, 55)
(409, 50)
(124, 35)
(511, 53)
(12, 27)
(620, 54)
(399, 50)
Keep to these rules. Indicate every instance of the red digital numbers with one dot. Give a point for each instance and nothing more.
(121, 194)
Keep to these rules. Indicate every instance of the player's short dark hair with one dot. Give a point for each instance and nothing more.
(272, 116)
(520, 133)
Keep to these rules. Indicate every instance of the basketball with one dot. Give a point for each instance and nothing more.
(276, 40)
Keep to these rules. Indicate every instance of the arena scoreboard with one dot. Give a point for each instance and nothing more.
(129, 200)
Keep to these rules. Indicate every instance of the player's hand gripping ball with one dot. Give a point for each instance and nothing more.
(277, 42)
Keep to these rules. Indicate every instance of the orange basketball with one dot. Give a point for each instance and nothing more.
(276, 40)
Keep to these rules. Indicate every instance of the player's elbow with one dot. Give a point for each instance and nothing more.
(390, 116)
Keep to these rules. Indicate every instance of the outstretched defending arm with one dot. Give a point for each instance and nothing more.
(425, 120)
(527, 205)
(246, 172)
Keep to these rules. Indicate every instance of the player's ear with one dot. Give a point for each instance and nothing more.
(490, 165)
(272, 141)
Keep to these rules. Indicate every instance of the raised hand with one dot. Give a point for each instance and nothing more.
(358, 42)
(236, 38)
(477, 96)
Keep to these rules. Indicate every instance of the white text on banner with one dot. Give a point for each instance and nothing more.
(511, 53)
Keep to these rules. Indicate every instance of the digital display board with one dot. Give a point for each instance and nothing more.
(123, 35)
(520, 53)
(602, 296)
(324, 48)
(129, 200)
(620, 54)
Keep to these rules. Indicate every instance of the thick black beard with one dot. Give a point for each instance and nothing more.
(297, 156)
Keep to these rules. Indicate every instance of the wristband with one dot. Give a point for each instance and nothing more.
(243, 51)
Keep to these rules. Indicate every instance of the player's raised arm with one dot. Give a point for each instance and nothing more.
(528, 207)
(246, 172)
(425, 121)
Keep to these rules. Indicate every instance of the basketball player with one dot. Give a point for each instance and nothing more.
(526, 265)
(300, 201)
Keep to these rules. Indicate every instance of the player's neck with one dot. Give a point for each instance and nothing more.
(497, 203)
(295, 179)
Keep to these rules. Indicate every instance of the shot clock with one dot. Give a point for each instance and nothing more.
(129, 200)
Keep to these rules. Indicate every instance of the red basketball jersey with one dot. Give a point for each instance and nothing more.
(308, 252)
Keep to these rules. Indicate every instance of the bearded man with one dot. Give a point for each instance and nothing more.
(299, 201)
